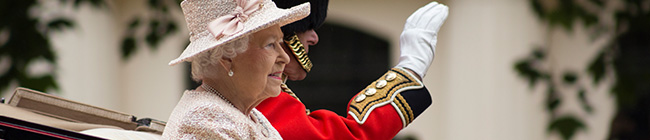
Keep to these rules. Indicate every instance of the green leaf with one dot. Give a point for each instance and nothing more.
(583, 101)
(537, 8)
(8, 77)
(524, 69)
(97, 3)
(94, 3)
(587, 18)
(42, 83)
(567, 13)
(570, 78)
(599, 3)
(164, 9)
(134, 24)
(153, 25)
(59, 24)
(128, 47)
(552, 101)
(153, 39)
(566, 126)
(597, 67)
(171, 28)
(539, 54)
(77, 3)
(552, 104)
(154, 3)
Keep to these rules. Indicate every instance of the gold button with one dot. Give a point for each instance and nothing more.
(381, 84)
(360, 98)
(370, 91)
(391, 76)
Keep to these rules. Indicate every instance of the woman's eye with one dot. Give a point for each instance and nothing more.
(272, 45)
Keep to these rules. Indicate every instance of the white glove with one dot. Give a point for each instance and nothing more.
(418, 40)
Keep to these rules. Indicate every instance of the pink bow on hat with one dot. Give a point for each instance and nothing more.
(232, 23)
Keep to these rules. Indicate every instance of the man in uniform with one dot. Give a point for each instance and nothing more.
(379, 111)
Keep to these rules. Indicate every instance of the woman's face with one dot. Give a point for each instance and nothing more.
(294, 70)
(261, 65)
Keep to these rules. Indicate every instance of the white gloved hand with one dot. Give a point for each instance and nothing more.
(418, 40)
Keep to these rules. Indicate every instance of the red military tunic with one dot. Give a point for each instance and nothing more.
(378, 112)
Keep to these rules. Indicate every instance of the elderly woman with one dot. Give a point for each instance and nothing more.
(235, 53)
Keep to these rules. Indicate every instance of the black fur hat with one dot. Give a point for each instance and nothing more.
(313, 21)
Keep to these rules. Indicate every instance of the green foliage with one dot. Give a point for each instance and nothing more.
(128, 46)
(597, 67)
(95, 3)
(565, 13)
(159, 26)
(26, 43)
(570, 78)
(60, 24)
(524, 68)
(627, 57)
(527, 69)
(582, 96)
(552, 99)
(530, 68)
(567, 126)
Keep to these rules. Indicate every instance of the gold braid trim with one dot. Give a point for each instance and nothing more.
(384, 91)
(299, 51)
(406, 113)
(286, 89)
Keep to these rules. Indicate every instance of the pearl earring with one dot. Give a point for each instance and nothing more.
(230, 73)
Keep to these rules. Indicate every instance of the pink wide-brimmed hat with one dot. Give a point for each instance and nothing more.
(213, 23)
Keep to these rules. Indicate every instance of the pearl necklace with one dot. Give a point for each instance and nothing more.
(211, 90)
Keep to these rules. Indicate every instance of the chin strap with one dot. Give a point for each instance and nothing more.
(298, 51)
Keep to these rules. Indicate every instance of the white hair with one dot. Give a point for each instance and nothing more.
(203, 63)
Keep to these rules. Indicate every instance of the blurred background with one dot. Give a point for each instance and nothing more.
(504, 69)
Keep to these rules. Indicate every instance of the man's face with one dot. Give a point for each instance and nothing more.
(294, 70)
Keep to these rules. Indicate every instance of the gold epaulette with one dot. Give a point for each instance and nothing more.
(386, 90)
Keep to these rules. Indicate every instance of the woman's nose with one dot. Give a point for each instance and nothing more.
(283, 58)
